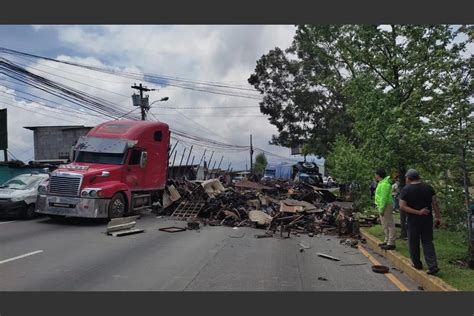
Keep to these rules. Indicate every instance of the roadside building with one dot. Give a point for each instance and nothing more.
(55, 142)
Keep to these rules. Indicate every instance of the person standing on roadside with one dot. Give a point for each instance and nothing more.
(396, 206)
(395, 195)
(383, 201)
(418, 200)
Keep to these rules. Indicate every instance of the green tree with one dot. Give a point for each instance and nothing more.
(350, 165)
(379, 85)
(260, 164)
(401, 94)
(301, 98)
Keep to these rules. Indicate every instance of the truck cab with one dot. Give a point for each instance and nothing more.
(118, 168)
(307, 172)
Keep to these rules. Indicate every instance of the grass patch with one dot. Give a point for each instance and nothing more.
(449, 246)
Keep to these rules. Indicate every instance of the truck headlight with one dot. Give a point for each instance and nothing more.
(91, 193)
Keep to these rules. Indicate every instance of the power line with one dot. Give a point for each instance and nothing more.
(59, 90)
(208, 87)
(209, 107)
(27, 99)
(72, 80)
(39, 113)
(166, 77)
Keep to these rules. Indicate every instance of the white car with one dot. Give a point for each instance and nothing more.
(18, 195)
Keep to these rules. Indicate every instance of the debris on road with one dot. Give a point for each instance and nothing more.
(193, 225)
(380, 269)
(322, 279)
(353, 264)
(322, 255)
(304, 246)
(119, 227)
(266, 235)
(172, 229)
(282, 207)
(260, 217)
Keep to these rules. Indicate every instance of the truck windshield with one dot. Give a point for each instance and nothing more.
(101, 150)
(100, 158)
(101, 145)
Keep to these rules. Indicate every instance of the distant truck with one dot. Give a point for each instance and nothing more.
(307, 172)
(118, 168)
(281, 171)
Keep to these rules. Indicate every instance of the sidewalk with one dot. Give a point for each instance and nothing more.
(458, 278)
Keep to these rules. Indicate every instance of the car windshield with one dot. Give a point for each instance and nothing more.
(100, 158)
(22, 182)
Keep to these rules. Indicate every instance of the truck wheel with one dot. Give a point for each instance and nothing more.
(117, 206)
(30, 211)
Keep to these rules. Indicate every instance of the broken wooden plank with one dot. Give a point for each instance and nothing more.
(172, 229)
(126, 232)
(322, 255)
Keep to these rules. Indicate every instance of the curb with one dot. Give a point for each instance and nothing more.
(428, 282)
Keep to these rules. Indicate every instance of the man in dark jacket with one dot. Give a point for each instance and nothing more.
(418, 200)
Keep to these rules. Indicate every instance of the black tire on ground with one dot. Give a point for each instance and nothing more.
(117, 206)
(30, 211)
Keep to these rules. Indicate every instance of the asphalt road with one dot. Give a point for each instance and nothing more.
(76, 255)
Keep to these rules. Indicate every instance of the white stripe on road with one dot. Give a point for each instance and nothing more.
(22, 256)
(7, 222)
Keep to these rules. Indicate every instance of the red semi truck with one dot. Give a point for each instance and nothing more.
(119, 167)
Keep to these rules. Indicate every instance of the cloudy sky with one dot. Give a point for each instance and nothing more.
(223, 54)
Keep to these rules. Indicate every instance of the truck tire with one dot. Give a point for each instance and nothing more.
(117, 206)
(30, 211)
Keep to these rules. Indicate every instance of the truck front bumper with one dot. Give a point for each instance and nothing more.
(72, 206)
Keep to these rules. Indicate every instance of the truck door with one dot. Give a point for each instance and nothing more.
(135, 172)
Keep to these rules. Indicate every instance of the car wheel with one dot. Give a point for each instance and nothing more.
(30, 211)
(117, 206)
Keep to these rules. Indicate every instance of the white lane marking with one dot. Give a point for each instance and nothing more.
(22, 256)
(7, 222)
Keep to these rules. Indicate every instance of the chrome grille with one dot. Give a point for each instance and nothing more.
(65, 184)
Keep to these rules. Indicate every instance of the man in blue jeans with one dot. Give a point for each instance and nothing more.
(418, 200)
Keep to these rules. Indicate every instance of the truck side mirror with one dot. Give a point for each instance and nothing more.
(143, 159)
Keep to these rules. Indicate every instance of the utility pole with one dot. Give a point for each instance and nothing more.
(141, 102)
(251, 155)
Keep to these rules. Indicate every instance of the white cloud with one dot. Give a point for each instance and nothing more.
(209, 53)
